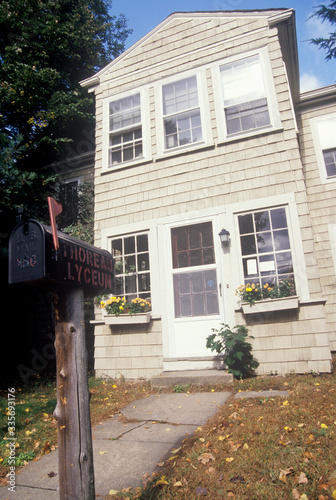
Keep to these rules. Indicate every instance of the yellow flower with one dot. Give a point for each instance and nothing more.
(324, 426)
(121, 308)
(248, 289)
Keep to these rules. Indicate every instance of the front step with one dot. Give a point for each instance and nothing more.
(192, 377)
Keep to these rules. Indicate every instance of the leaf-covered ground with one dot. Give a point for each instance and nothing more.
(262, 448)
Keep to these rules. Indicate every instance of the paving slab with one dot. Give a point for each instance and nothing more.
(261, 394)
(177, 408)
(192, 377)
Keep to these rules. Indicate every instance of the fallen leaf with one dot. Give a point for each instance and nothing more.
(201, 491)
(175, 450)
(205, 458)
(285, 403)
(211, 470)
(302, 478)
(113, 492)
(229, 459)
(52, 474)
(178, 484)
(102, 452)
(161, 481)
(296, 494)
(246, 447)
(284, 473)
(160, 464)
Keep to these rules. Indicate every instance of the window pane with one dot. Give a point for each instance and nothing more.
(192, 245)
(330, 161)
(143, 262)
(265, 243)
(278, 217)
(199, 306)
(195, 294)
(245, 224)
(186, 305)
(281, 240)
(248, 245)
(129, 245)
(262, 222)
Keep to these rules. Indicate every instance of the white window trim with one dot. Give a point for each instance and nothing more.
(332, 235)
(145, 123)
(203, 99)
(270, 94)
(318, 148)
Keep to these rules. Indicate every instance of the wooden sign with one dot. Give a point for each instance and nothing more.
(33, 258)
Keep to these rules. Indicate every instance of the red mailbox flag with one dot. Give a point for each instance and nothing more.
(55, 209)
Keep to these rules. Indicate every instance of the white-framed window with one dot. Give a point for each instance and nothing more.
(265, 246)
(183, 116)
(125, 129)
(131, 264)
(324, 136)
(245, 95)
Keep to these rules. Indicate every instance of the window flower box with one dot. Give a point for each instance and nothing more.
(127, 319)
(271, 305)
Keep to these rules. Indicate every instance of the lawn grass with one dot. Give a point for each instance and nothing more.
(260, 448)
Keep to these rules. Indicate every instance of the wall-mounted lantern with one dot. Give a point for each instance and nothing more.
(224, 237)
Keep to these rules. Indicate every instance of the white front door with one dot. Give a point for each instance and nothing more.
(195, 294)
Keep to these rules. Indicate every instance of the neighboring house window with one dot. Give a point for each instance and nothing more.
(195, 291)
(131, 254)
(245, 101)
(68, 198)
(125, 130)
(181, 113)
(325, 145)
(265, 247)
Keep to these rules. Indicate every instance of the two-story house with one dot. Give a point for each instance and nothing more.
(200, 127)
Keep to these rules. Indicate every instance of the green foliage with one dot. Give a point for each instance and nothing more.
(236, 349)
(46, 48)
(327, 13)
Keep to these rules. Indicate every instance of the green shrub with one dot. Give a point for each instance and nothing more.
(236, 350)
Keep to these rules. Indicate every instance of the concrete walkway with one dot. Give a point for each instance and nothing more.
(125, 449)
(124, 452)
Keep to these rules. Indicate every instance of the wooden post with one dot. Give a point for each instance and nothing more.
(72, 412)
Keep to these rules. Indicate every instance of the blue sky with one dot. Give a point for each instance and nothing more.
(315, 72)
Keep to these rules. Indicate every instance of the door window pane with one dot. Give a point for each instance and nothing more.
(195, 294)
(193, 245)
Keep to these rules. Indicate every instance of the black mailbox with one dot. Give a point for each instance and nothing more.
(32, 258)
